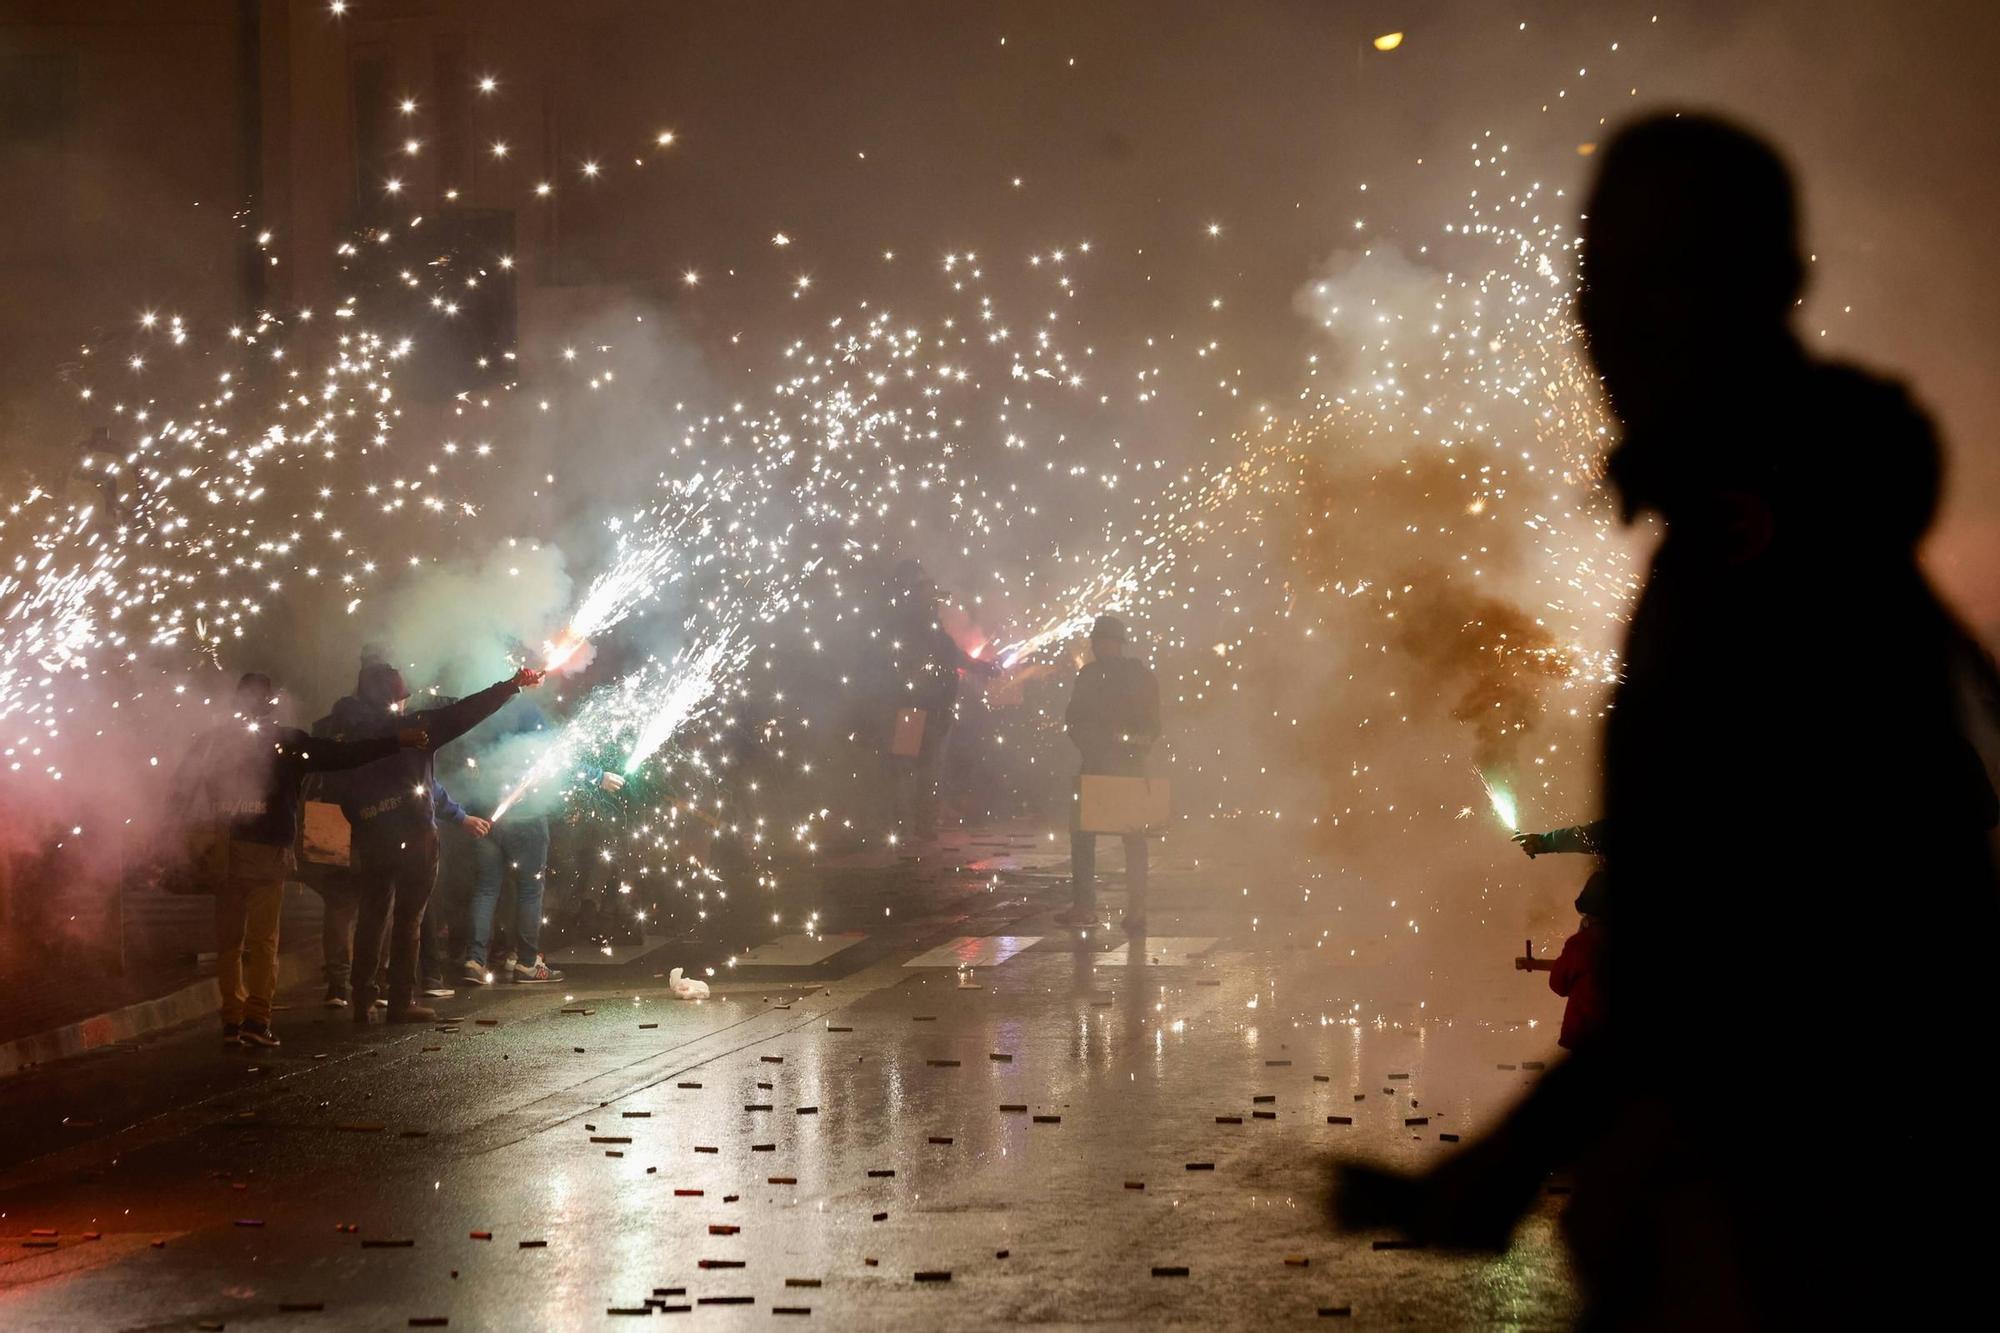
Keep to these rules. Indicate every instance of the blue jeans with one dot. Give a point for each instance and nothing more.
(519, 843)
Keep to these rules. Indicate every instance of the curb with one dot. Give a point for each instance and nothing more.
(196, 1000)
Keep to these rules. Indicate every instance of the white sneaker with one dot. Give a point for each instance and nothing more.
(439, 992)
(541, 971)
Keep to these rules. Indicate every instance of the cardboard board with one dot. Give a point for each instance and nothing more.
(1123, 805)
(908, 740)
(326, 839)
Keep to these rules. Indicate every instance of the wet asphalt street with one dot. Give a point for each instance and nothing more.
(1066, 1134)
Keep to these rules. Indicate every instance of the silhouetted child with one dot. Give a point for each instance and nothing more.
(1573, 973)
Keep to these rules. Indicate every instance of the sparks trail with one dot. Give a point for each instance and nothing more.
(1502, 802)
(650, 555)
(692, 680)
(1195, 515)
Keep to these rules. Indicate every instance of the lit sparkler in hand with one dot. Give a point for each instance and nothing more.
(1502, 802)
(645, 563)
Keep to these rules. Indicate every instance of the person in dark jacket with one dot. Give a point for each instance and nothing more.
(1788, 672)
(926, 665)
(1113, 719)
(339, 887)
(248, 772)
(392, 808)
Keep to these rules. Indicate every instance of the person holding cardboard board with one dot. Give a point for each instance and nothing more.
(1113, 719)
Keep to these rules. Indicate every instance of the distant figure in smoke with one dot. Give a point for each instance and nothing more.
(1575, 973)
(1113, 719)
(392, 808)
(1788, 669)
(247, 772)
(926, 664)
(504, 749)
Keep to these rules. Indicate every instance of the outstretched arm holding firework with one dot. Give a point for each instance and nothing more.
(1584, 839)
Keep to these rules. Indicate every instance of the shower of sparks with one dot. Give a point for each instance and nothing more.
(682, 687)
(646, 560)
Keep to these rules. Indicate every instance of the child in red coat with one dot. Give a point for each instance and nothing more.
(1573, 973)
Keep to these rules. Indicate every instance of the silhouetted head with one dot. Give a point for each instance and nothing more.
(1690, 258)
(256, 696)
(1591, 902)
(381, 685)
(1107, 636)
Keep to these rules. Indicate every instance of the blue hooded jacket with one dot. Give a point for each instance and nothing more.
(395, 798)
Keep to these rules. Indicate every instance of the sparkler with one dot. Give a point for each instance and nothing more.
(1502, 802)
(645, 561)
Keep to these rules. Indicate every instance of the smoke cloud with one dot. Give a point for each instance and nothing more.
(463, 624)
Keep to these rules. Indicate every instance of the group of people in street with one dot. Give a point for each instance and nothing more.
(385, 943)
(242, 785)
(1112, 720)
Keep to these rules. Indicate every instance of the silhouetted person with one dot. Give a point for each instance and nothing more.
(927, 665)
(1789, 678)
(1113, 719)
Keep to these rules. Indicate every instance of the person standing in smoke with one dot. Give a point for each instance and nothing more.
(1787, 667)
(503, 751)
(392, 808)
(248, 771)
(1113, 719)
(927, 664)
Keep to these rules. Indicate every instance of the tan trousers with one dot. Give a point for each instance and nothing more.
(246, 930)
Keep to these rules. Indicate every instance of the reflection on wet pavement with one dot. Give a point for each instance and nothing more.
(1079, 1132)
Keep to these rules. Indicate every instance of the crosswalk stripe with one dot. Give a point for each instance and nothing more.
(799, 950)
(975, 951)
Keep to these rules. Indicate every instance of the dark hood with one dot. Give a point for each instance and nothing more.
(381, 684)
(356, 719)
